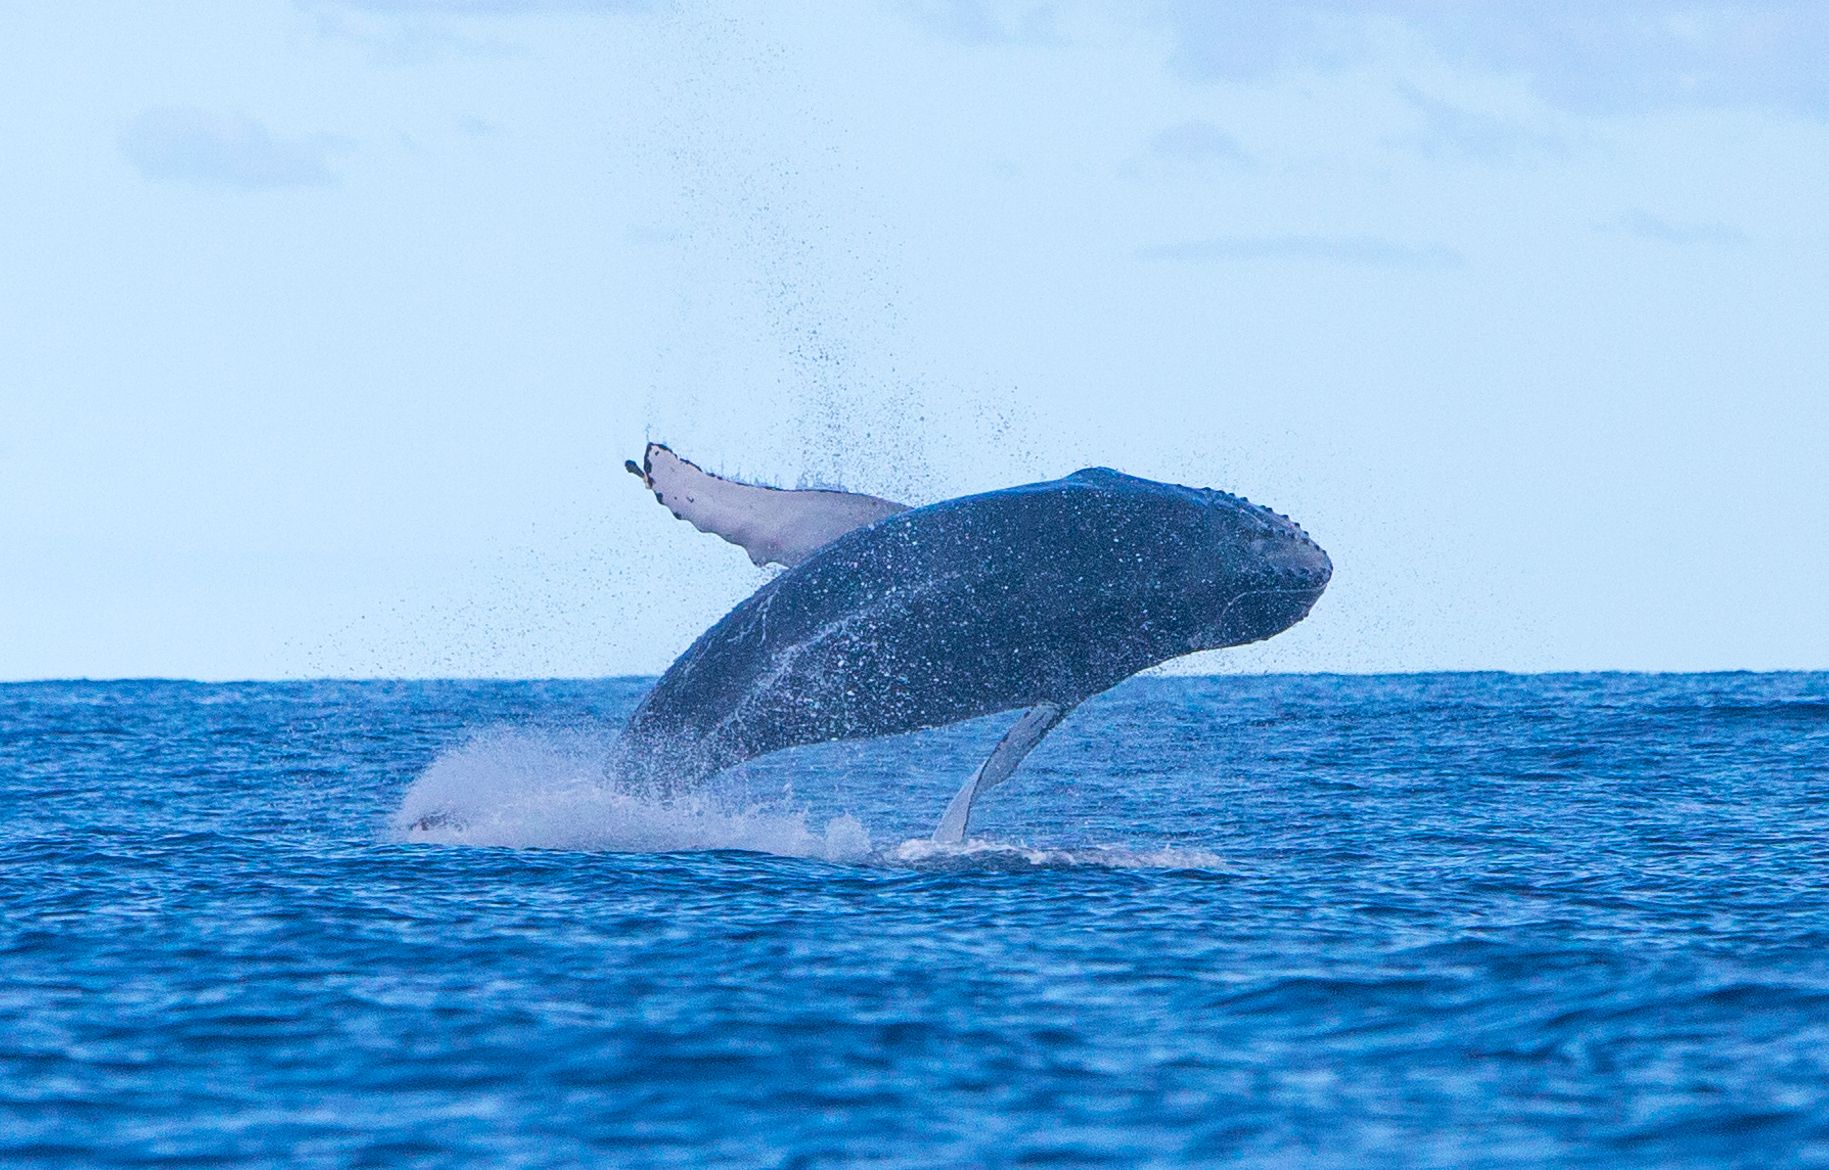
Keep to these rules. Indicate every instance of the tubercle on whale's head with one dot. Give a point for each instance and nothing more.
(1261, 573)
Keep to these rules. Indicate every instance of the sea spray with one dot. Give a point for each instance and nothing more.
(547, 789)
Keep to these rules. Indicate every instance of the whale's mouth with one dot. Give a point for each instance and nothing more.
(1253, 615)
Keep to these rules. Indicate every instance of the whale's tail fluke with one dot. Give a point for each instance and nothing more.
(773, 525)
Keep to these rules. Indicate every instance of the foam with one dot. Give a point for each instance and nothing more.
(924, 853)
(547, 790)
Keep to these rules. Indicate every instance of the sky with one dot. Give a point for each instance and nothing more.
(325, 326)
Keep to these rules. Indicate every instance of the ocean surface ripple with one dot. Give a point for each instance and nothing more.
(1449, 920)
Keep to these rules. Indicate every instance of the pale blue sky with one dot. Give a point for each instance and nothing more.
(325, 326)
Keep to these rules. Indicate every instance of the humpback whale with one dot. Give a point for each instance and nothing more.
(892, 618)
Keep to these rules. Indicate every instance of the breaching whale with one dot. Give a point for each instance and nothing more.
(891, 619)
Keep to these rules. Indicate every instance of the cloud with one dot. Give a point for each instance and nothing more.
(192, 146)
(1361, 250)
(479, 7)
(1645, 226)
(1446, 130)
(983, 22)
(1253, 39)
(1201, 142)
(1581, 55)
(417, 32)
(1593, 57)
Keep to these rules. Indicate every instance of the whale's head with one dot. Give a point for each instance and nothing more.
(1254, 574)
(1218, 569)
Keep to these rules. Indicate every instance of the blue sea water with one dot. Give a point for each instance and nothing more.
(1453, 920)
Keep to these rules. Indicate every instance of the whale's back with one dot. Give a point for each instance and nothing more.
(1044, 593)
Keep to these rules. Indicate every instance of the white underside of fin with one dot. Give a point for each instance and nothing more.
(773, 525)
(1017, 742)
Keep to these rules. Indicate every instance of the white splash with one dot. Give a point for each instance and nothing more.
(975, 853)
(547, 789)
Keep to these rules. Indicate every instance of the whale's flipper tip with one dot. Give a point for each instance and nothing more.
(773, 525)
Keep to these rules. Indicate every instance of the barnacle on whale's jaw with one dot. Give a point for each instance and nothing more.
(1293, 560)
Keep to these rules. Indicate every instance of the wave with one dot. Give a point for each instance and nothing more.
(523, 788)
(1783, 711)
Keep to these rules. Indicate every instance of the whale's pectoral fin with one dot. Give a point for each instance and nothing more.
(778, 525)
(1017, 742)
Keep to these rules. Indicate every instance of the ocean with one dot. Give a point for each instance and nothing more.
(1422, 920)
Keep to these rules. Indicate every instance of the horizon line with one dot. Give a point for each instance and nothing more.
(51, 680)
